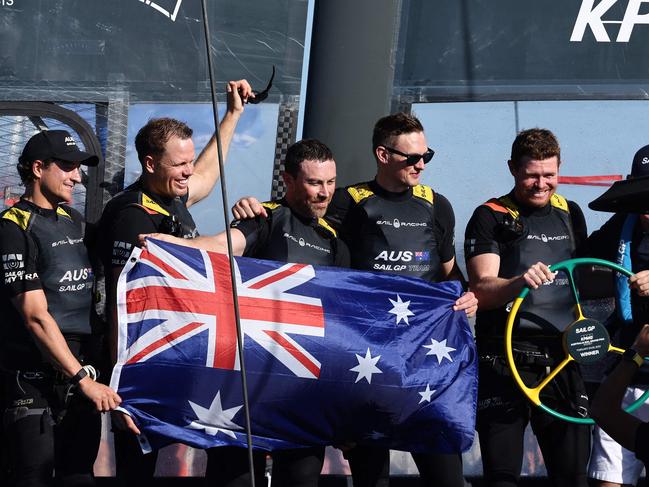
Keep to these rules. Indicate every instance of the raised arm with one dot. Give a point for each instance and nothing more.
(206, 168)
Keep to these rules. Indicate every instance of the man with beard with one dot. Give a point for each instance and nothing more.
(292, 230)
(397, 225)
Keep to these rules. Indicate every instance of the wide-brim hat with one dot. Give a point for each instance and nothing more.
(627, 196)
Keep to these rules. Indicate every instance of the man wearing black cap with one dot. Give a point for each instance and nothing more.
(624, 239)
(46, 303)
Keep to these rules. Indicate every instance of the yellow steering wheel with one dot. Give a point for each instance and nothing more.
(585, 341)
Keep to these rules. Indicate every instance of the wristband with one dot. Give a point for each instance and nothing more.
(631, 355)
(76, 378)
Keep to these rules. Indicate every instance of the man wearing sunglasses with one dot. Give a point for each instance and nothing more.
(170, 183)
(396, 224)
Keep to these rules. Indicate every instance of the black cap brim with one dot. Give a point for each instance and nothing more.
(81, 157)
(627, 196)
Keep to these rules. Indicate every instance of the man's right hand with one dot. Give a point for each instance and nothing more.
(124, 422)
(238, 94)
(248, 207)
(103, 397)
(640, 283)
(538, 275)
(159, 236)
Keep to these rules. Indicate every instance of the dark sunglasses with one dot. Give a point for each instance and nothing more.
(262, 95)
(412, 159)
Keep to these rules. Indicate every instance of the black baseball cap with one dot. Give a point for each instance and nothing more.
(55, 144)
(640, 165)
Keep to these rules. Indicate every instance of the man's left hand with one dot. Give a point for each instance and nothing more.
(467, 302)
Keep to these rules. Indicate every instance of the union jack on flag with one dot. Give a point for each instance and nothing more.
(332, 355)
(191, 298)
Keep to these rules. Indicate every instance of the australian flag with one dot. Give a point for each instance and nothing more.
(332, 355)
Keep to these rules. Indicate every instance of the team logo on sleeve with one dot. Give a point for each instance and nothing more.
(12, 262)
(13, 266)
(121, 252)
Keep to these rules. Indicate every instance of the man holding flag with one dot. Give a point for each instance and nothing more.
(396, 225)
(293, 230)
(172, 180)
(332, 356)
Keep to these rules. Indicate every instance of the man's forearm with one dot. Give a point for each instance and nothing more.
(226, 130)
(52, 344)
(207, 166)
(493, 292)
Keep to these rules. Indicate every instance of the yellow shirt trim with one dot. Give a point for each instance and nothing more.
(424, 192)
(556, 200)
(322, 222)
(560, 202)
(148, 203)
(271, 205)
(18, 216)
(360, 192)
(62, 212)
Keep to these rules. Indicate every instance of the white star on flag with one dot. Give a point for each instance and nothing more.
(366, 367)
(440, 350)
(215, 419)
(427, 394)
(400, 309)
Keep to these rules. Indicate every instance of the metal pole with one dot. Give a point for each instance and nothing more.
(224, 195)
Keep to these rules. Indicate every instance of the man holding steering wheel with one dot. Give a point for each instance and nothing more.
(509, 243)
